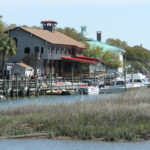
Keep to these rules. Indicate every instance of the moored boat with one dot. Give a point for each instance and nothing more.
(89, 90)
(119, 85)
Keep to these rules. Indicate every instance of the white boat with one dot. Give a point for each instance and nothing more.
(119, 85)
(89, 90)
(2, 97)
(138, 79)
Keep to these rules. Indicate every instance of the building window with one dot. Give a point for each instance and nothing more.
(42, 50)
(69, 51)
(16, 41)
(77, 51)
(80, 51)
(57, 50)
(36, 49)
(52, 49)
(27, 50)
(65, 51)
(62, 50)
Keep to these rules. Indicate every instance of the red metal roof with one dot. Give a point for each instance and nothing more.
(48, 21)
(78, 59)
(91, 58)
(88, 58)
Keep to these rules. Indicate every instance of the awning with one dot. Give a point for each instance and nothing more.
(84, 59)
(78, 59)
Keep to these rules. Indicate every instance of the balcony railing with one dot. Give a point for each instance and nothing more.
(35, 56)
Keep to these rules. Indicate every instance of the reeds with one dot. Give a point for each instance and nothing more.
(125, 117)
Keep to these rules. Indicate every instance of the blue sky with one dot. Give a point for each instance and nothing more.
(127, 20)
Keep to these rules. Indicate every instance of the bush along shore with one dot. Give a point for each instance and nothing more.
(125, 117)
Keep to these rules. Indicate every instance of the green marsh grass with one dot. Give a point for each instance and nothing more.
(125, 117)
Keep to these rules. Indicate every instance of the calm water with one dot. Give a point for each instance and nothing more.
(70, 145)
(51, 99)
(44, 144)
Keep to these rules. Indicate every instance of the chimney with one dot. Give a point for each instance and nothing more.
(99, 36)
(49, 25)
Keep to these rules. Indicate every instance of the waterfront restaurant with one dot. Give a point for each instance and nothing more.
(53, 52)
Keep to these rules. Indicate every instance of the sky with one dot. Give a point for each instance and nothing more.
(127, 20)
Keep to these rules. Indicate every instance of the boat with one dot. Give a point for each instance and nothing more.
(68, 92)
(138, 79)
(2, 97)
(88, 90)
(119, 86)
(53, 92)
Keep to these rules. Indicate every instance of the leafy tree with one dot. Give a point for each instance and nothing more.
(130, 54)
(7, 49)
(25, 26)
(111, 59)
(71, 32)
(135, 55)
(96, 52)
(9, 27)
(36, 27)
(33, 27)
(117, 43)
(1, 27)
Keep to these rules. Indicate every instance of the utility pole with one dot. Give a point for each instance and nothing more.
(125, 74)
(72, 76)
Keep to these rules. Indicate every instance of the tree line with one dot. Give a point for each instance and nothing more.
(7, 46)
(133, 55)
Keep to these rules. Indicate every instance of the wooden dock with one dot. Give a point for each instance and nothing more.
(18, 87)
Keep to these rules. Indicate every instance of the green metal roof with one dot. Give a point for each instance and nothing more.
(94, 43)
(106, 47)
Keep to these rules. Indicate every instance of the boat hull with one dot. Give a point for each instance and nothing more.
(89, 90)
(117, 90)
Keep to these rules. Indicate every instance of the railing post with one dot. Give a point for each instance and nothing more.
(51, 80)
(16, 85)
(72, 77)
(36, 83)
(4, 86)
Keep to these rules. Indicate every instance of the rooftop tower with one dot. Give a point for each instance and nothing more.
(49, 25)
(83, 31)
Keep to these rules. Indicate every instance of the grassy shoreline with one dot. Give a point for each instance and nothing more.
(124, 118)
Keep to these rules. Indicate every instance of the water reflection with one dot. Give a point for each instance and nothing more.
(38, 144)
(51, 99)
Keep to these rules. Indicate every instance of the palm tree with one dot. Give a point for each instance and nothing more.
(7, 49)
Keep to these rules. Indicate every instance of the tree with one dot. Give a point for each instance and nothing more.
(117, 43)
(1, 24)
(71, 32)
(96, 52)
(7, 49)
(36, 27)
(111, 59)
(9, 27)
(1, 27)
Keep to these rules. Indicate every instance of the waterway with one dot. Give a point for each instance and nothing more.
(51, 99)
(43, 144)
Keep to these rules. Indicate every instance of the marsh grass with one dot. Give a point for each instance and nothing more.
(125, 117)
